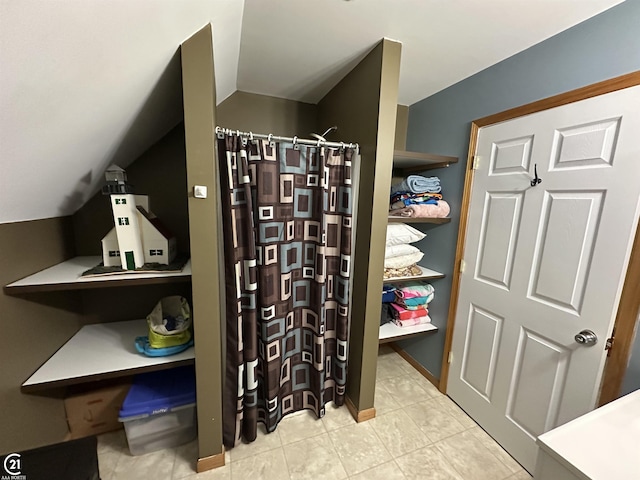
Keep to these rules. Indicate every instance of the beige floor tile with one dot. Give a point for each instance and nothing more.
(314, 458)
(426, 385)
(186, 459)
(298, 427)
(386, 471)
(428, 464)
(399, 434)
(434, 420)
(404, 390)
(390, 365)
(113, 442)
(358, 447)
(336, 417)
(455, 411)
(384, 401)
(269, 465)
(107, 462)
(152, 465)
(263, 443)
(467, 454)
(220, 473)
(396, 359)
(495, 448)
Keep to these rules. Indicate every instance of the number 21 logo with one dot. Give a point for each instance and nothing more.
(12, 464)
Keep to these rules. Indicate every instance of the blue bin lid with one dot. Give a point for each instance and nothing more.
(160, 392)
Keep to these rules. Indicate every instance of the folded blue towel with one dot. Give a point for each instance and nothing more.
(417, 184)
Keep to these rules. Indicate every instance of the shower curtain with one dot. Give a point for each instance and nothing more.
(287, 242)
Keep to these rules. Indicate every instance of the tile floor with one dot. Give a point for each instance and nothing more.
(418, 433)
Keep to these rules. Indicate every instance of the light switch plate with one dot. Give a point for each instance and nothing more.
(200, 191)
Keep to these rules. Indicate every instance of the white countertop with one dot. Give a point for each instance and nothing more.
(601, 445)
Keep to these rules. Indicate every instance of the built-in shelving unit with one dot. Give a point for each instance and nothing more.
(98, 352)
(390, 332)
(68, 276)
(104, 350)
(406, 163)
(411, 162)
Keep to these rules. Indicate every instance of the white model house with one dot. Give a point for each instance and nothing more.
(138, 237)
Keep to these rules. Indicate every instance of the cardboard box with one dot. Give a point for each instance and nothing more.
(93, 410)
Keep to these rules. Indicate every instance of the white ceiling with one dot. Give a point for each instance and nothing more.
(87, 83)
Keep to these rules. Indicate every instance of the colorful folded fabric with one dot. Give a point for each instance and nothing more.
(440, 210)
(402, 199)
(388, 293)
(414, 196)
(415, 289)
(403, 203)
(412, 303)
(412, 321)
(404, 314)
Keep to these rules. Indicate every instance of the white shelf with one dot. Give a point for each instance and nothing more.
(409, 162)
(435, 220)
(103, 350)
(68, 276)
(427, 273)
(390, 332)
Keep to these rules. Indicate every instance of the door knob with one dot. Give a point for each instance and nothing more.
(586, 337)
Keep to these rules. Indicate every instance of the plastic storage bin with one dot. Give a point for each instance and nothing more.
(160, 410)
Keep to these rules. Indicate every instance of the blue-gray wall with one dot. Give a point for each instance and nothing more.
(600, 48)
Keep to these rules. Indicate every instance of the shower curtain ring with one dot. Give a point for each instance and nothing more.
(318, 144)
(341, 146)
(251, 136)
(295, 140)
(237, 133)
(269, 138)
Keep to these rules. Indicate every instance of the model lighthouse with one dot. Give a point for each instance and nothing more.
(138, 236)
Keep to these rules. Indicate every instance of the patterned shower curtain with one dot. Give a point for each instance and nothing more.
(287, 241)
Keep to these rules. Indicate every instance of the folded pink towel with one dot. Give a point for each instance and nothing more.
(412, 321)
(405, 314)
(440, 210)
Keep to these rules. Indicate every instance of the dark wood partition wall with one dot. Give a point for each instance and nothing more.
(198, 83)
(363, 106)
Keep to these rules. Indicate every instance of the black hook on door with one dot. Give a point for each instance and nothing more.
(536, 180)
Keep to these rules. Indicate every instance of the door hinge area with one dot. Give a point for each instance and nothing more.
(475, 162)
(608, 346)
(462, 265)
(450, 357)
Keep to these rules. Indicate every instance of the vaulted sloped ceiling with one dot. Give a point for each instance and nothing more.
(87, 83)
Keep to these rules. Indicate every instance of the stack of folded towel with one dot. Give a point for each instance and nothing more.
(418, 196)
(409, 306)
(401, 258)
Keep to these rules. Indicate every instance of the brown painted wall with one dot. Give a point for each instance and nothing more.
(264, 114)
(33, 327)
(363, 106)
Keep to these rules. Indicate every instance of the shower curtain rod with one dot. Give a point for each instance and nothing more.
(294, 140)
